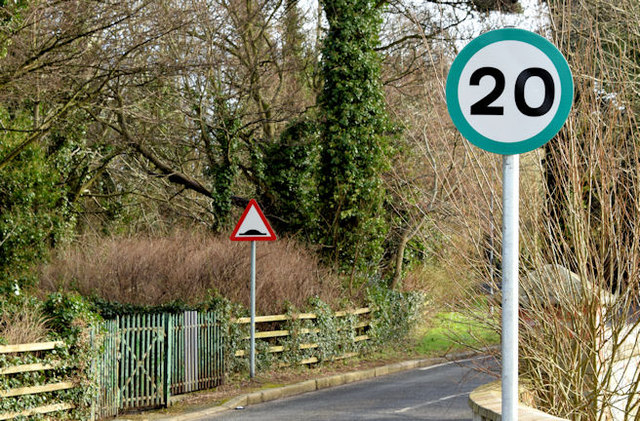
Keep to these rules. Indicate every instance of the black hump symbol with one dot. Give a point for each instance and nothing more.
(252, 232)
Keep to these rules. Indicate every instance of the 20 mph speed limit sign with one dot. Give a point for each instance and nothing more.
(509, 91)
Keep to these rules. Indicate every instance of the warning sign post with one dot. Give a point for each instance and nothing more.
(253, 226)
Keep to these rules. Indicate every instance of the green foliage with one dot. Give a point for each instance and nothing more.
(396, 313)
(354, 135)
(291, 165)
(335, 335)
(70, 315)
(74, 320)
(392, 319)
(64, 373)
(71, 319)
(34, 212)
(292, 353)
(234, 339)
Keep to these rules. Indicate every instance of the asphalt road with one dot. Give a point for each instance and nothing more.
(432, 393)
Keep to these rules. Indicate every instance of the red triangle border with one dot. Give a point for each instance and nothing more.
(270, 237)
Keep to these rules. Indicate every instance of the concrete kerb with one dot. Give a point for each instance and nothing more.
(268, 395)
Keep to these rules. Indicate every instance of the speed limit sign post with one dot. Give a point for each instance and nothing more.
(509, 91)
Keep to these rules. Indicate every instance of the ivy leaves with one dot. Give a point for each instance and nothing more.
(355, 144)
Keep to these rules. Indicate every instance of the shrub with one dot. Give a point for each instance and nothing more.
(67, 317)
(189, 267)
(336, 334)
(22, 320)
(73, 319)
(395, 313)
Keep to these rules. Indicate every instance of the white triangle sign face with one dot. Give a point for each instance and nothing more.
(253, 226)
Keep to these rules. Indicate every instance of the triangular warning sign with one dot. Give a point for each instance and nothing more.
(253, 226)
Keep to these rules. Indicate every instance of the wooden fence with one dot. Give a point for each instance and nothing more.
(145, 359)
(148, 358)
(274, 336)
(43, 347)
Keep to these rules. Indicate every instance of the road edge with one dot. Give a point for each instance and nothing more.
(295, 389)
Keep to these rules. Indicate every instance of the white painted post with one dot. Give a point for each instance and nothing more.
(510, 254)
(252, 352)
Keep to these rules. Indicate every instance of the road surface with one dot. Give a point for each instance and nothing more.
(433, 393)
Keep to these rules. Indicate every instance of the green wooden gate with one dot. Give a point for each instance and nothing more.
(144, 359)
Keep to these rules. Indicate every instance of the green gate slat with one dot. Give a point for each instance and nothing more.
(124, 358)
(147, 392)
(113, 402)
(138, 373)
(152, 362)
(203, 350)
(130, 380)
(144, 346)
(134, 380)
(169, 355)
(131, 384)
(180, 358)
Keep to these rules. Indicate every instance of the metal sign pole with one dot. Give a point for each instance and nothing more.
(509, 121)
(510, 254)
(252, 352)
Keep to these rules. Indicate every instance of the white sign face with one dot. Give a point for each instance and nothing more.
(253, 226)
(512, 125)
(509, 91)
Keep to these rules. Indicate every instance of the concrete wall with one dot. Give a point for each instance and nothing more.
(486, 405)
(622, 356)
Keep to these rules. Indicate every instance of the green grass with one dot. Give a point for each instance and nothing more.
(449, 331)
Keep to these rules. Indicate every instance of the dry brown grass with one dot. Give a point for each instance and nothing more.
(22, 323)
(190, 266)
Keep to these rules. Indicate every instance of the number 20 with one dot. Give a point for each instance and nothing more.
(484, 107)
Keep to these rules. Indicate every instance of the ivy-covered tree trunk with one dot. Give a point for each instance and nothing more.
(354, 140)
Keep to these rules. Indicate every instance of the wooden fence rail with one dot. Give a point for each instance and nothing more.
(279, 334)
(34, 390)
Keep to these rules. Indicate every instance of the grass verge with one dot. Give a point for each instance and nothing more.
(452, 331)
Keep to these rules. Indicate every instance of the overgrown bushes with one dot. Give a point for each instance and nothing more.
(190, 267)
(396, 313)
(68, 318)
(22, 320)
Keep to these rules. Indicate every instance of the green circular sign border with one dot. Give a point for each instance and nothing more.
(566, 91)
